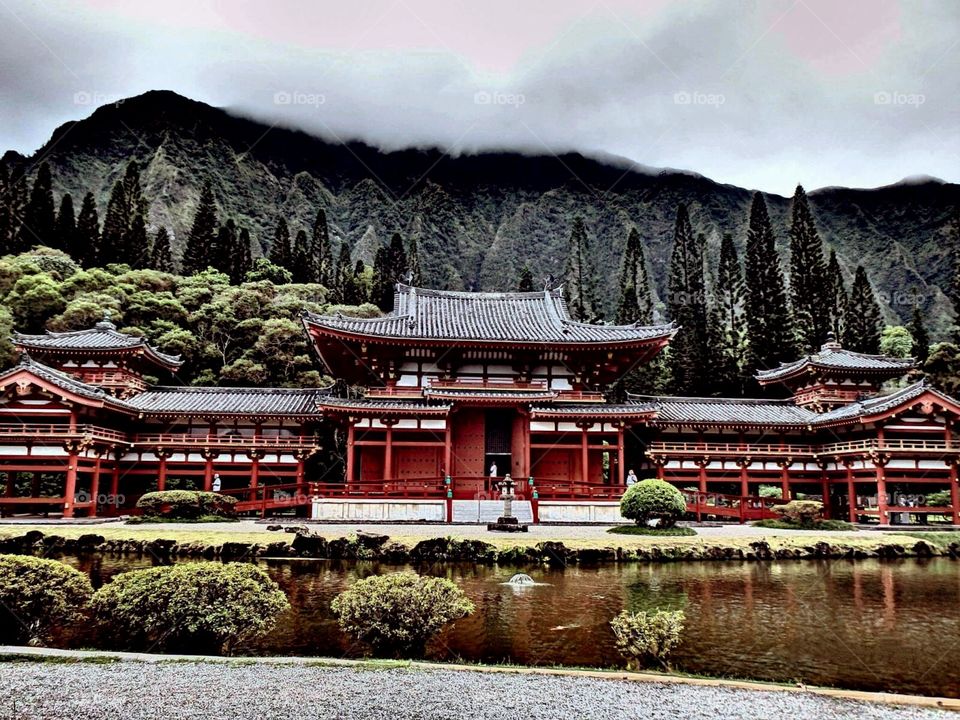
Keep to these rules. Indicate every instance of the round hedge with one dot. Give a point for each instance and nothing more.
(37, 596)
(186, 504)
(193, 607)
(650, 500)
(398, 613)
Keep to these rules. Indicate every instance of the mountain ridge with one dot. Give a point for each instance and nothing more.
(479, 217)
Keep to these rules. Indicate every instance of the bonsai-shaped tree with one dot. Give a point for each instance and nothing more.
(650, 500)
(648, 637)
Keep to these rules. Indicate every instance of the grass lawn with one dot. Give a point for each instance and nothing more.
(652, 531)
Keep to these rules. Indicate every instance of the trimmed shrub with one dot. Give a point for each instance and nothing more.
(398, 613)
(192, 607)
(186, 504)
(802, 513)
(650, 500)
(770, 491)
(37, 596)
(648, 637)
(941, 498)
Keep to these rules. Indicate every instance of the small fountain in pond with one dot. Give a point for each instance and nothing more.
(521, 579)
(508, 521)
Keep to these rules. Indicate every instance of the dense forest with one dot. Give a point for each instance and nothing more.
(232, 313)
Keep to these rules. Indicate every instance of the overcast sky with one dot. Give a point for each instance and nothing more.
(758, 94)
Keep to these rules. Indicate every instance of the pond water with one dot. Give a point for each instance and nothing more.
(870, 625)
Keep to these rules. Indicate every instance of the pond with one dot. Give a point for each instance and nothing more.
(869, 625)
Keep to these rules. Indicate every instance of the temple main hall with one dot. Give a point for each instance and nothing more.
(436, 401)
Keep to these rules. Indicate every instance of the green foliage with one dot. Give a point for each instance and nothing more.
(266, 270)
(770, 491)
(941, 498)
(654, 531)
(863, 322)
(398, 613)
(197, 255)
(648, 637)
(825, 525)
(525, 280)
(186, 504)
(921, 338)
(801, 513)
(650, 500)
(942, 367)
(193, 607)
(896, 341)
(580, 286)
(37, 596)
(808, 269)
(690, 357)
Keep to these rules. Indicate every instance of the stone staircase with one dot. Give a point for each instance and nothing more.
(487, 511)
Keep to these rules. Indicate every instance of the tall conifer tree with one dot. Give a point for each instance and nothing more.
(114, 226)
(689, 356)
(322, 267)
(381, 294)
(766, 313)
(864, 323)
(39, 216)
(729, 344)
(525, 280)
(921, 338)
(280, 250)
(66, 229)
(301, 259)
(161, 255)
(808, 276)
(581, 285)
(414, 270)
(344, 291)
(203, 234)
(837, 299)
(359, 286)
(241, 261)
(635, 303)
(85, 248)
(135, 246)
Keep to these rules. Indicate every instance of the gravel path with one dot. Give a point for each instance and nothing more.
(258, 691)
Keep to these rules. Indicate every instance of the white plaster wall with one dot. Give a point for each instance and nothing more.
(556, 511)
(380, 510)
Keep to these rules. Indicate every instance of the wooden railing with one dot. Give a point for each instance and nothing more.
(59, 431)
(745, 508)
(835, 448)
(233, 441)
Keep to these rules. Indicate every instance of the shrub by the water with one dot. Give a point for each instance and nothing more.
(192, 607)
(187, 504)
(650, 500)
(648, 637)
(802, 513)
(398, 613)
(37, 596)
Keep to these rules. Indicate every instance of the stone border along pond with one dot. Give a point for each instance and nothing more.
(370, 546)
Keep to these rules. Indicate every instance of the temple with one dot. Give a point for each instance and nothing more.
(452, 390)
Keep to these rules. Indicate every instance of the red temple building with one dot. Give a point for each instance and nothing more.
(449, 392)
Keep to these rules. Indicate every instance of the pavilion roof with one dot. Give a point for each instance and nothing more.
(386, 405)
(484, 317)
(101, 338)
(163, 400)
(832, 357)
(724, 411)
(64, 381)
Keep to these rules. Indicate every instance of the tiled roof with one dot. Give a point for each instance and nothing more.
(535, 317)
(63, 380)
(382, 404)
(834, 357)
(228, 401)
(876, 405)
(721, 411)
(522, 395)
(103, 336)
(590, 409)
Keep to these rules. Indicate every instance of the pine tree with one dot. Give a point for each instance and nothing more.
(322, 268)
(863, 323)
(66, 228)
(688, 308)
(398, 264)
(203, 234)
(135, 245)
(85, 248)
(525, 280)
(767, 315)
(6, 219)
(414, 271)
(953, 243)
(161, 256)
(837, 299)
(727, 323)
(381, 294)
(343, 290)
(359, 286)
(636, 302)
(114, 227)
(39, 218)
(280, 250)
(15, 198)
(808, 274)
(225, 248)
(921, 338)
(580, 287)
(301, 259)
(241, 260)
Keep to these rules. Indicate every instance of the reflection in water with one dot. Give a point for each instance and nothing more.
(890, 625)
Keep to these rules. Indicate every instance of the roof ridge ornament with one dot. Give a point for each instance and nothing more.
(831, 343)
(105, 323)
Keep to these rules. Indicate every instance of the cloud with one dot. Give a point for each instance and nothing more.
(759, 95)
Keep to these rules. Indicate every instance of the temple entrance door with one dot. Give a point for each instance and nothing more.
(468, 453)
(498, 439)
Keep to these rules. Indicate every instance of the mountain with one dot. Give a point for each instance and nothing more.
(479, 218)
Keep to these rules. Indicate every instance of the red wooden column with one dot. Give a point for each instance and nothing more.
(115, 483)
(954, 493)
(162, 456)
(12, 478)
(785, 477)
(744, 482)
(208, 456)
(254, 456)
(825, 489)
(880, 462)
(71, 485)
(351, 451)
(851, 492)
(448, 446)
(388, 450)
(584, 453)
(95, 485)
(621, 457)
